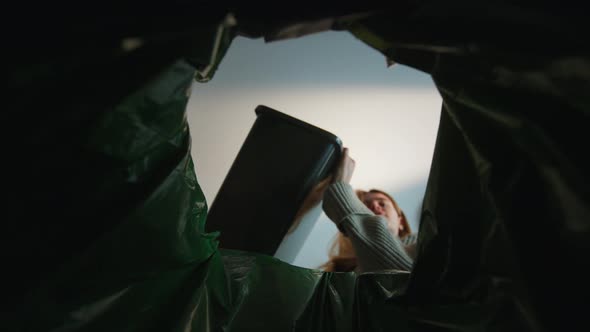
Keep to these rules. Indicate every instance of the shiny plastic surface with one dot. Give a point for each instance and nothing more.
(106, 220)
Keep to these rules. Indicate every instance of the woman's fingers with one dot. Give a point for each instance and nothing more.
(345, 168)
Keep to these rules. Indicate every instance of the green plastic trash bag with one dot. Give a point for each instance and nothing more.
(105, 224)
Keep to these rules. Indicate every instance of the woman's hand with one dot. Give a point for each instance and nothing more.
(345, 168)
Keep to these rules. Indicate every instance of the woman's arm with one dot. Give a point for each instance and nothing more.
(376, 248)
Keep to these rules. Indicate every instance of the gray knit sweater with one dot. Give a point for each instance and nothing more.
(375, 247)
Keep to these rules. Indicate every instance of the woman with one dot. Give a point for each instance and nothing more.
(374, 233)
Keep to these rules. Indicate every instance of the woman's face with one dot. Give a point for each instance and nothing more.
(382, 206)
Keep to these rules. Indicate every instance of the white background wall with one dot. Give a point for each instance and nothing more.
(388, 117)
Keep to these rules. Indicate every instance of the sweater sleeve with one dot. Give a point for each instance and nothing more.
(375, 247)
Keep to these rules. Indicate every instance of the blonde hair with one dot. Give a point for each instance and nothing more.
(341, 253)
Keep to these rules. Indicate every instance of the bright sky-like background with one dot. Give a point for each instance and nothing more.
(388, 117)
